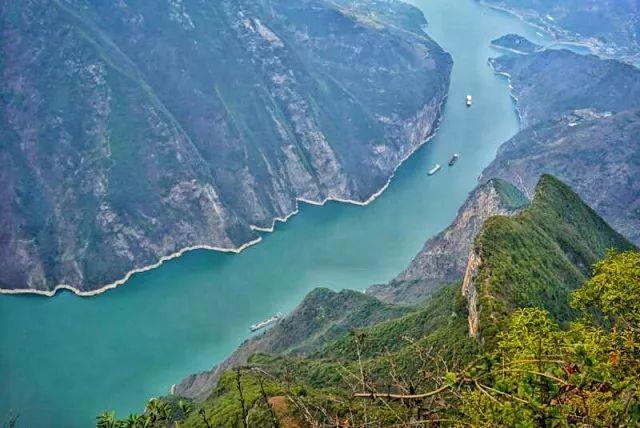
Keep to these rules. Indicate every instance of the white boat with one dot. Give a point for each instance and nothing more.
(469, 100)
(435, 169)
(265, 323)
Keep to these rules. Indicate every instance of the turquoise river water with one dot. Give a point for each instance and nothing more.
(65, 359)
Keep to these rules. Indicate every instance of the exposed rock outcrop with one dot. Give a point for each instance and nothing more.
(470, 292)
(133, 130)
(444, 257)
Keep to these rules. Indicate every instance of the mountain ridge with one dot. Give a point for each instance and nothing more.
(579, 115)
(532, 259)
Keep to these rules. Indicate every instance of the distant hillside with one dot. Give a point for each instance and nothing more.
(598, 155)
(322, 316)
(579, 119)
(444, 257)
(552, 82)
(132, 130)
(611, 27)
(532, 259)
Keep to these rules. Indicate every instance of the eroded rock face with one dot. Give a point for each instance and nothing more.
(444, 257)
(470, 292)
(131, 130)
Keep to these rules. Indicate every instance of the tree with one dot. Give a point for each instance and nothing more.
(133, 421)
(106, 420)
(585, 375)
(185, 407)
(614, 289)
(158, 410)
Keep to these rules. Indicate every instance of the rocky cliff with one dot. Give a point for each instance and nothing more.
(444, 257)
(535, 258)
(133, 130)
(580, 120)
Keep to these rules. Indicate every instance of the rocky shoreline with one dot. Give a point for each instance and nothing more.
(162, 260)
(216, 168)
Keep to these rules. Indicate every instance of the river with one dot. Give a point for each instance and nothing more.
(65, 359)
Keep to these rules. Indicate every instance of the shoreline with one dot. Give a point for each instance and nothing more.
(561, 36)
(515, 51)
(511, 94)
(239, 249)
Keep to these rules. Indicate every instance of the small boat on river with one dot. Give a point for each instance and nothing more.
(265, 323)
(469, 100)
(454, 159)
(435, 169)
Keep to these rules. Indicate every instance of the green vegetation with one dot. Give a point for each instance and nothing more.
(584, 375)
(539, 256)
(510, 196)
(325, 315)
(547, 355)
(151, 135)
(441, 321)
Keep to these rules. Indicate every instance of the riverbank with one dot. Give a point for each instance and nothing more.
(563, 37)
(239, 249)
(132, 343)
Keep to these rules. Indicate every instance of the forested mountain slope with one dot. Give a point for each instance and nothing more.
(132, 130)
(533, 259)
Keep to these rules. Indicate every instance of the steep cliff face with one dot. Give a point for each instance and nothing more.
(550, 83)
(609, 27)
(444, 257)
(131, 130)
(470, 292)
(535, 258)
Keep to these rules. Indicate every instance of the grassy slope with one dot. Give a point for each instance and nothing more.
(532, 259)
(539, 256)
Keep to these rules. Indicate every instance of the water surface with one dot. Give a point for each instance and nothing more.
(65, 359)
